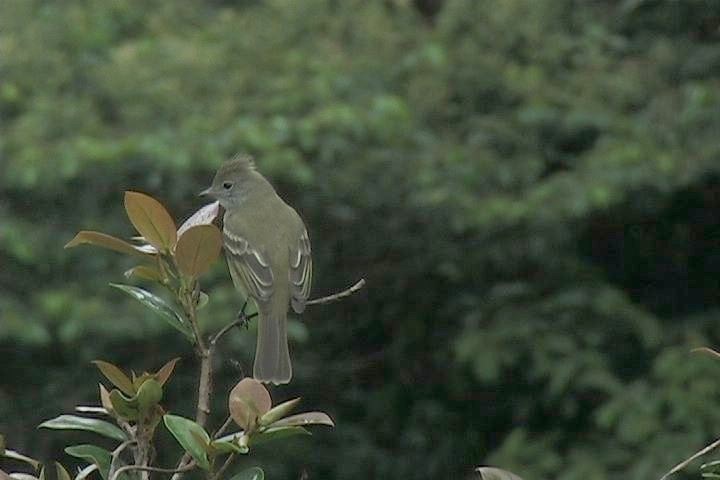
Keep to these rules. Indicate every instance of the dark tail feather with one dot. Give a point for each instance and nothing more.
(272, 358)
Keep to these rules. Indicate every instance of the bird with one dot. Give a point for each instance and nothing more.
(268, 253)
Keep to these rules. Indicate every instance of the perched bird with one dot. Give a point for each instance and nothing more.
(268, 252)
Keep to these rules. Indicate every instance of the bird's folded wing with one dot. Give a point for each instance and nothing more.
(250, 271)
(300, 274)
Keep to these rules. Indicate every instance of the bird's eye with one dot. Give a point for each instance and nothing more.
(227, 185)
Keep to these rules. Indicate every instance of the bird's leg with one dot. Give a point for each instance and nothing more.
(243, 319)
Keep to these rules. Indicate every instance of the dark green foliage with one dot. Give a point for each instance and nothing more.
(529, 187)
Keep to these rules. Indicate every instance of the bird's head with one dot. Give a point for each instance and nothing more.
(233, 181)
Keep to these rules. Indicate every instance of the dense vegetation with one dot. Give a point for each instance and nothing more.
(531, 189)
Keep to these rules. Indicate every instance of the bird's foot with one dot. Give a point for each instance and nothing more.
(243, 319)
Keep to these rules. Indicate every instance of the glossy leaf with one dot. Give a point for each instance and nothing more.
(166, 370)
(83, 474)
(106, 241)
(231, 437)
(248, 401)
(105, 398)
(279, 411)
(191, 436)
(278, 433)
(124, 407)
(116, 376)
(228, 447)
(253, 473)
(137, 381)
(21, 458)
(149, 394)
(197, 249)
(151, 220)
(490, 473)
(91, 410)
(93, 454)
(145, 272)
(205, 216)
(21, 476)
(61, 472)
(307, 418)
(72, 422)
(159, 306)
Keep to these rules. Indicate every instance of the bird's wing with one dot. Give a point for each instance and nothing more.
(300, 274)
(250, 271)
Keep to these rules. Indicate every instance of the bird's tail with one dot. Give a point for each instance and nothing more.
(272, 358)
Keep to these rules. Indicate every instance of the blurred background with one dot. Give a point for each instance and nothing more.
(530, 187)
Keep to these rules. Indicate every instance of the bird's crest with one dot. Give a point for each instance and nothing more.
(239, 163)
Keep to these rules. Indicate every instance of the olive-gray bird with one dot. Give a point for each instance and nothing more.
(268, 252)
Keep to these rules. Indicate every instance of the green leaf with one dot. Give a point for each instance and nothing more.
(149, 394)
(22, 476)
(93, 454)
(116, 376)
(490, 473)
(197, 249)
(124, 407)
(191, 436)
(151, 220)
(159, 306)
(253, 473)
(62, 473)
(72, 422)
(21, 458)
(279, 411)
(145, 272)
(277, 433)
(165, 371)
(230, 437)
(107, 241)
(228, 447)
(307, 418)
(85, 472)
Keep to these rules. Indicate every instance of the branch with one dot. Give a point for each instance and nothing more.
(128, 468)
(242, 320)
(338, 296)
(183, 465)
(204, 388)
(686, 462)
(116, 456)
(222, 429)
(224, 467)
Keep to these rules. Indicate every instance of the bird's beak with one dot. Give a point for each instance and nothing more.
(205, 193)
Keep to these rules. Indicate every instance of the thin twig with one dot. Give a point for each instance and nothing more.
(222, 429)
(128, 468)
(116, 455)
(204, 388)
(337, 296)
(686, 462)
(182, 464)
(240, 321)
(224, 467)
